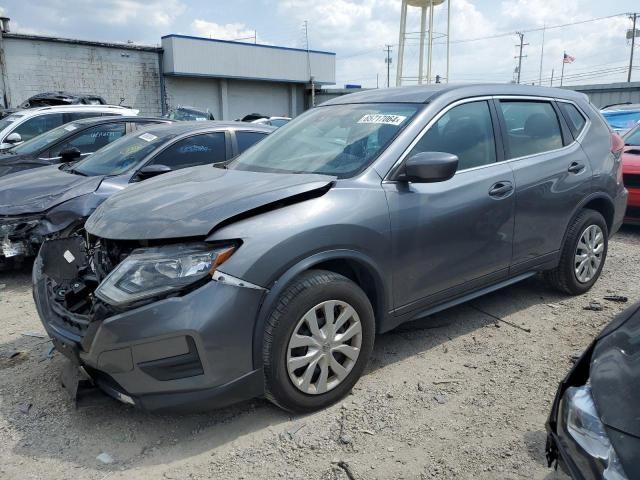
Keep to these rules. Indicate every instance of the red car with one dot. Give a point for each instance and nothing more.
(631, 173)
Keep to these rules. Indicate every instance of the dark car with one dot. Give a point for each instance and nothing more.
(594, 426)
(272, 276)
(56, 200)
(70, 142)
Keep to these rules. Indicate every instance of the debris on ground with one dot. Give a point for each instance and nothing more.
(34, 334)
(594, 307)
(616, 298)
(25, 407)
(105, 458)
(440, 398)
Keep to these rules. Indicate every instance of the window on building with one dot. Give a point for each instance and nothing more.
(532, 127)
(465, 131)
(201, 149)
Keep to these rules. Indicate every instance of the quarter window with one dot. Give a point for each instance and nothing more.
(574, 118)
(465, 131)
(247, 139)
(532, 127)
(197, 150)
(36, 125)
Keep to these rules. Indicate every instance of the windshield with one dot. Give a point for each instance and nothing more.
(5, 122)
(45, 139)
(338, 140)
(121, 155)
(633, 137)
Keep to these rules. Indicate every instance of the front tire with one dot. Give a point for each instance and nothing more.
(317, 341)
(583, 254)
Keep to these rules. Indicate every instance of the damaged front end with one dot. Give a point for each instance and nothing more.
(19, 236)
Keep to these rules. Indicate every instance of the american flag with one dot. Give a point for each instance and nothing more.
(568, 59)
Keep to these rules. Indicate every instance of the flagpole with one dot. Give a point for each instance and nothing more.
(562, 74)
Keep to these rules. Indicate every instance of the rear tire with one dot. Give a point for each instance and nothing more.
(583, 254)
(317, 341)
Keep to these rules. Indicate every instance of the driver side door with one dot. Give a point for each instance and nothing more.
(454, 236)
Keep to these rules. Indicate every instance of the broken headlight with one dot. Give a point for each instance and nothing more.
(586, 428)
(149, 272)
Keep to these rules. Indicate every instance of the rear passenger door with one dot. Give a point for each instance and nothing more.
(454, 236)
(202, 149)
(552, 175)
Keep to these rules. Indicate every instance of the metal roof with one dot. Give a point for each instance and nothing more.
(179, 128)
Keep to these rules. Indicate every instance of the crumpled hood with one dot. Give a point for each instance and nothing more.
(39, 189)
(191, 202)
(615, 373)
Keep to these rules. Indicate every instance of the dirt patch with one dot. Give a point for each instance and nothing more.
(459, 395)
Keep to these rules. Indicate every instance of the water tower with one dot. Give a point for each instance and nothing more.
(426, 6)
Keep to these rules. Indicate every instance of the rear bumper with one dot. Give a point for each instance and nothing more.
(184, 353)
(632, 211)
(620, 208)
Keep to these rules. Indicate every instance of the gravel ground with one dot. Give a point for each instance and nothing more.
(459, 395)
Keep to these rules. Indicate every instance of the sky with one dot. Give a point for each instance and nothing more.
(358, 30)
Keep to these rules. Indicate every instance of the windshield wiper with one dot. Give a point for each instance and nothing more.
(76, 172)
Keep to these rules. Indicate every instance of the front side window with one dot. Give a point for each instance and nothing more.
(532, 127)
(122, 155)
(632, 138)
(465, 131)
(574, 118)
(37, 125)
(91, 139)
(201, 149)
(248, 139)
(337, 140)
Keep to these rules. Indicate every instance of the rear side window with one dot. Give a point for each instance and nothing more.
(247, 139)
(91, 139)
(202, 149)
(73, 116)
(465, 131)
(574, 118)
(532, 127)
(36, 125)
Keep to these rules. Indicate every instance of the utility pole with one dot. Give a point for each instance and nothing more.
(552, 77)
(387, 60)
(520, 56)
(541, 56)
(633, 42)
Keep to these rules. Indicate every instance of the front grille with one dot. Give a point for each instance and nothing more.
(631, 180)
(632, 212)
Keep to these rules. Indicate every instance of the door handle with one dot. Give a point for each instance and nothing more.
(500, 189)
(575, 167)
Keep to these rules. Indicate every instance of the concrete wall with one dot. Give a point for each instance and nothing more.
(608, 94)
(229, 99)
(34, 66)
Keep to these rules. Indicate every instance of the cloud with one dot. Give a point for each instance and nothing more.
(229, 31)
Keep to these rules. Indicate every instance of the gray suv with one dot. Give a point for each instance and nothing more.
(272, 274)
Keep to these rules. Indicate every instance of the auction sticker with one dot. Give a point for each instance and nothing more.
(70, 128)
(147, 137)
(383, 119)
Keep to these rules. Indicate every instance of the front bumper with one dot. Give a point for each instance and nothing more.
(183, 353)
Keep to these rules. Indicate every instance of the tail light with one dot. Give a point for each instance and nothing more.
(617, 145)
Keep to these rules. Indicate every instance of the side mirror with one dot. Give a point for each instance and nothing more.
(70, 154)
(429, 167)
(152, 171)
(13, 138)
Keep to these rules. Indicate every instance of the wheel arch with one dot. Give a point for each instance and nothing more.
(352, 264)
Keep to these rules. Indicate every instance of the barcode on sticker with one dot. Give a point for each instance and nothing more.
(382, 119)
(147, 137)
